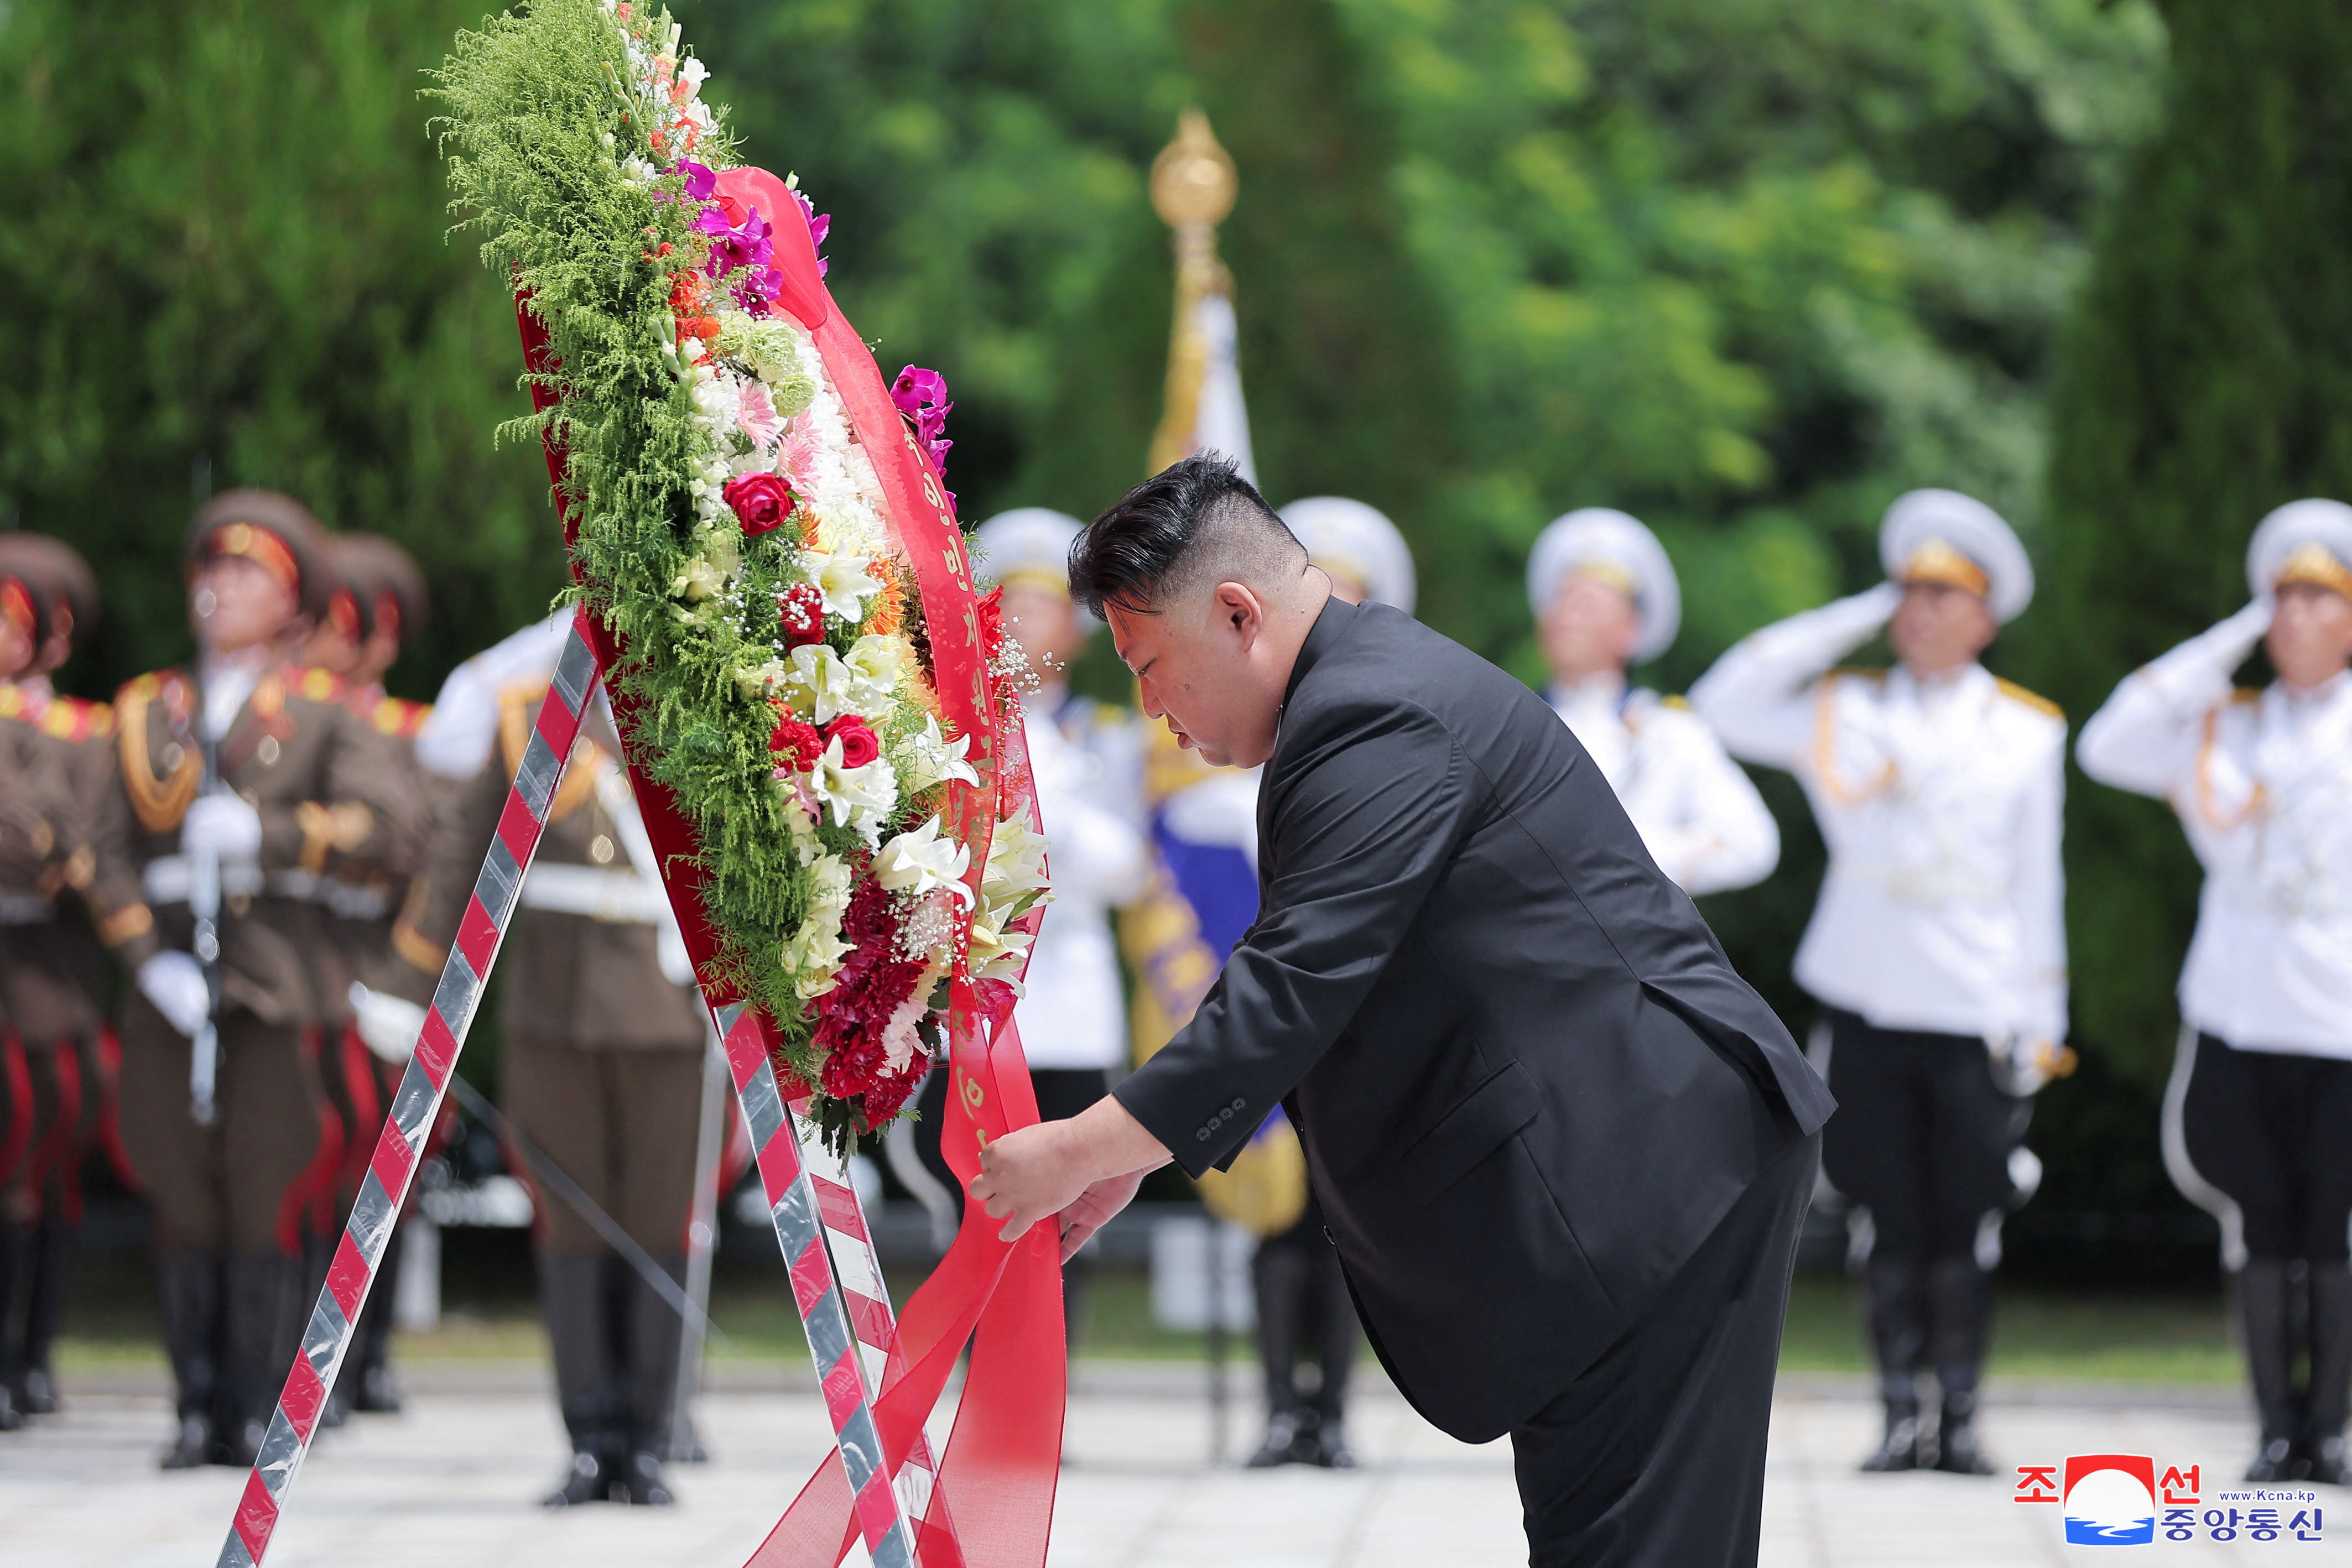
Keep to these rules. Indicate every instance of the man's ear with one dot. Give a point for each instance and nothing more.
(1238, 607)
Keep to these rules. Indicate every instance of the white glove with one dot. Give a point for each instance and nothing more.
(387, 1025)
(221, 826)
(174, 982)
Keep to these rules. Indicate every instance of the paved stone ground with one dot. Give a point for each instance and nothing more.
(451, 1484)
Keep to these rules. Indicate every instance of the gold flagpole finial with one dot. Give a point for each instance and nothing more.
(1192, 189)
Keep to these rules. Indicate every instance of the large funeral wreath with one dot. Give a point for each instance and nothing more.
(732, 531)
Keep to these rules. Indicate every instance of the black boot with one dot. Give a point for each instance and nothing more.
(36, 1388)
(575, 1297)
(2264, 1309)
(653, 1333)
(1959, 1301)
(372, 1391)
(1278, 1278)
(1898, 1339)
(191, 1299)
(15, 1248)
(260, 1340)
(2331, 1370)
(1336, 1332)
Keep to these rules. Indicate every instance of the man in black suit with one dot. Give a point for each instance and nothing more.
(1563, 1148)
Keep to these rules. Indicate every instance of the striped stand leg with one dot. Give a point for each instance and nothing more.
(800, 1215)
(413, 1109)
(858, 1271)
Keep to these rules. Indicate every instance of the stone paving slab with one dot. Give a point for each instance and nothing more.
(452, 1484)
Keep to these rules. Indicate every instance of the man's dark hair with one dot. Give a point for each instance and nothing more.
(1194, 522)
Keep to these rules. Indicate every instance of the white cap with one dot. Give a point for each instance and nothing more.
(1608, 543)
(1942, 536)
(1025, 542)
(1351, 539)
(2303, 541)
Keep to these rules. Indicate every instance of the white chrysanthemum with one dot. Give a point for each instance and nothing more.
(916, 863)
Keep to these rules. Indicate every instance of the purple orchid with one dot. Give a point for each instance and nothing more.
(701, 180)
(819, 226)
(922, 396)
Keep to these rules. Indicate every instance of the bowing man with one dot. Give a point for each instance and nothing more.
(1604, 596)
(2258, 1122)
(1938, 947)
(1562, 1148)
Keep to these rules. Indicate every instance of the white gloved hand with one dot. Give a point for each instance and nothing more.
(387, 1025)
(221, 826)
(174, 982)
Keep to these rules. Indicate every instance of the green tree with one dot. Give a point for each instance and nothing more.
(226, 264)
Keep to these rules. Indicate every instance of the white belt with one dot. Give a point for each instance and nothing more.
(620, 896)
(170, 878)
(26, 909)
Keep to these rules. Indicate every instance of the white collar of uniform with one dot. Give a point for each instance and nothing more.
(1603, 692)
(1968, 685)
(226, 681)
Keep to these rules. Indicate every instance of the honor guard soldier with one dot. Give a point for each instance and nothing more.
(237, 789)
(378, 598)
(604, 1034)
(1088, 761)
(1604, 597)
(41, 848)
(2258, 1119)
(1937, 948)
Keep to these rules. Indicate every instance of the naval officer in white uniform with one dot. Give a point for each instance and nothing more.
(1604, 597)
(1938, 947)
(2258, 1121)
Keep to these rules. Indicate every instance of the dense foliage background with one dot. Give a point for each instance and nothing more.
(1747, 268)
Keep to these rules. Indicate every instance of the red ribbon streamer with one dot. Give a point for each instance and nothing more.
(991, 1505)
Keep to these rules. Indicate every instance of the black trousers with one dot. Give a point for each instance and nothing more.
(1303, 1301)
(1654, 1457)
(2273, 1130)
(1922, 1137)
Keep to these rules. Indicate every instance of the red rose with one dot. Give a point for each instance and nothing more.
(858, 745)
(794, 744)
(763, 501)
(800, 610)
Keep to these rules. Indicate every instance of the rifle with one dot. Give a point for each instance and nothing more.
(203, 902)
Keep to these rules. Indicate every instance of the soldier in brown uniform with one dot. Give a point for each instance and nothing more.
(379, 596)
(39, 831)
(305, 790)
(52, 977)
(604, 1040)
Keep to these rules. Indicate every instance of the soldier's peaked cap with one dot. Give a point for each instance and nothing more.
(272, 529)
(2303, 541)
(1942, 536)
(1600, 541)
(1357, 542)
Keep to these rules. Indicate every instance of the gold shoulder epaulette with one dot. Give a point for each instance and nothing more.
(2033, 700)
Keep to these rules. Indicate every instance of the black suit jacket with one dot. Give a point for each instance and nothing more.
(1527, 1080)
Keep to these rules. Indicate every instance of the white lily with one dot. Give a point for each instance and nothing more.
(932, 758)
(821, 686)
(861, 799)
(915, 863)
(843, 579)
(1016, 862)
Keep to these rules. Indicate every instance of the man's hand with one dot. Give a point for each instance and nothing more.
(1093, 1208)
(1090, 1164)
